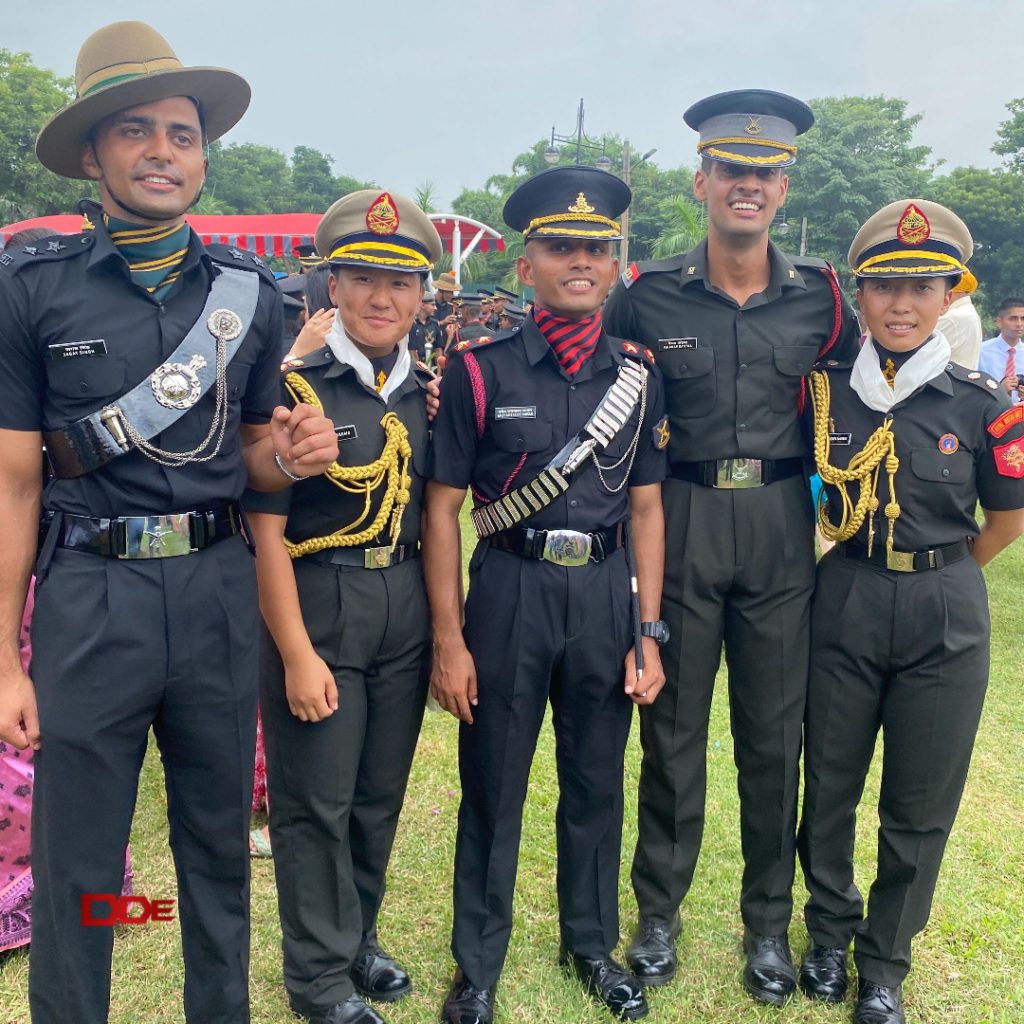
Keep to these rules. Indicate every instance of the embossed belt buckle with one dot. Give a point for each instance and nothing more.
(567, 547)
(377, 558)
(733, 474)
(900, 561)
(157, 536)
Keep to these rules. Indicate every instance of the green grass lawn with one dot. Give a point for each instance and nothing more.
(969, 963)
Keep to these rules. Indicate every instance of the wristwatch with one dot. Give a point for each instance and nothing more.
(658, 631)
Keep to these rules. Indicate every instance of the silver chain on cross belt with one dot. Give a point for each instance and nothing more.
(175, 460)
(630, 452)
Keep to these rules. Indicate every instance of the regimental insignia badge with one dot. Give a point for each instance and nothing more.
(753, 126)
(581, 205)
(992, 385)
(913, 227)
(649, 354)
(661, 433)
(1010, 459)
(631, 274)
(289, 364)
(462, 346)
(1002, 423)
(974, 375)
(177, 385)
(382, 216)
(628, 346)
(948, 444)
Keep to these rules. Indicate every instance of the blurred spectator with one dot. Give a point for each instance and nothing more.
(1002, 357)
(961, 324)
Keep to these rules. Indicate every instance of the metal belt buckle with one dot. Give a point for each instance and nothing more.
(738, 473)
(567, 547)
(157, 536)
(899, 561)
(377, 558)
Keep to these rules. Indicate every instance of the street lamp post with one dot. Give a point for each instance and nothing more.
(627, 177)
(553, 155)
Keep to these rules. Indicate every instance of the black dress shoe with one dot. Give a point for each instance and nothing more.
(352, 1011)
(877, 1004)
(609, 982)
(467, 1004)
(379, 976)
(652, 953)
(823, 974)
(769, 975)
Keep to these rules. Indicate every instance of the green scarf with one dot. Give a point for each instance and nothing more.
(154, 254)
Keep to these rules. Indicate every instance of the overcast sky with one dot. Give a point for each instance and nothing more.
(401, 92)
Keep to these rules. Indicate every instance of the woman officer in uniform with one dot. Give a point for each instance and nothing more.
(345, 659)
(907, 444)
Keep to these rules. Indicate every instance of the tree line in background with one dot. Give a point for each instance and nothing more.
(858, 156)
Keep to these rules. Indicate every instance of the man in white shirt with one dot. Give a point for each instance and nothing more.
(1002, 357)
(961, 325)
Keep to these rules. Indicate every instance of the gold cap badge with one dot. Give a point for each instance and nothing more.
(913, 227)
(581, 205)
(753, 126)
(382, 217)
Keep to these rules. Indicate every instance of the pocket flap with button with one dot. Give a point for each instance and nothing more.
(686, 363)
(521, 435)
(937, 467)
(795, 360)
(87, 376)
(237, 378)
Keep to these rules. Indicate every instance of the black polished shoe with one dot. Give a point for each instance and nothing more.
(609, 982)
(823, 974)
(877, 1004)
(652, 953)
(467, 1004)
(769, 975)
(379, 976)
(352, 1011)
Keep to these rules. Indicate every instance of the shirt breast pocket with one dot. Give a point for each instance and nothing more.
(690, 381)
(237, 379)
(935, 467)
(519, 436)
(82, 384)
(791, 363)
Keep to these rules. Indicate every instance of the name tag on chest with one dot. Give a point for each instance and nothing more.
(76, 349)
(841, 437)
(347, 433)
(676, 344)
(515, 412)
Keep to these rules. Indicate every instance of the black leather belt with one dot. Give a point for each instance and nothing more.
(364, 558)
(563, 547)
(906, 561)
(180, 533)
(738, 473)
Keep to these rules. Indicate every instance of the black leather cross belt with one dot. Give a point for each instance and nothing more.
(906, 561)
(563, 547)
(179, 533)
(738, 473)
(364, 558)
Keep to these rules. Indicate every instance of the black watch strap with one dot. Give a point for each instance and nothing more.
(657, 630)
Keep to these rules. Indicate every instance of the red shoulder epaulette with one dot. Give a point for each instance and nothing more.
(631, 274)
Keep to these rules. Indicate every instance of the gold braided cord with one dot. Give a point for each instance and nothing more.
(392, 466)
(571, 218)
(746, 140)
(356, 251)
(740, 158)
(581, 232)
(908, 254)
(864, 468)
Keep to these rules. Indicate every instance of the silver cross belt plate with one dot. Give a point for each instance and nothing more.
(738, 473)
(157, 536)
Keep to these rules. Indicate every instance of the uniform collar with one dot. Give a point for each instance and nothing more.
(783, 274)
(103, 248)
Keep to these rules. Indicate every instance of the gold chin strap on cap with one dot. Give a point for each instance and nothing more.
(864, 468)
(393, 465)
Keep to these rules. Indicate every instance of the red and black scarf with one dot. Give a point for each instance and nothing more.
(572, 341)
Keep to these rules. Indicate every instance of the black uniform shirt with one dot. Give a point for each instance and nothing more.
(532, 409)
(427, 336)
(78, 289)
(316, 507)
(443, 309)
(732, 373)
(950, 459)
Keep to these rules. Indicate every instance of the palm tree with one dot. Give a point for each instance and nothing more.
(426, 196)
(685, 224)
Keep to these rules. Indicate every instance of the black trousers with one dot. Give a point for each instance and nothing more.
(739, 569)
(335, 787)
(906, 653)
(119, 647)
(539, 631)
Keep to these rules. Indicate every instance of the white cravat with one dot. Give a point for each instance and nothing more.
(924, 365)
(345, 351)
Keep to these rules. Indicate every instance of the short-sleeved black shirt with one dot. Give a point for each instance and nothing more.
(950, 457)
(425, 337)
(317, 507)
(77, 288)
(732, 373)
(527, 412)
